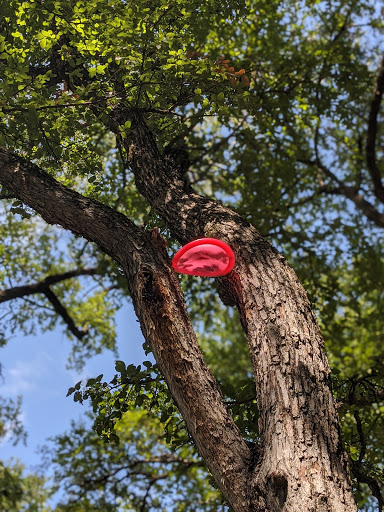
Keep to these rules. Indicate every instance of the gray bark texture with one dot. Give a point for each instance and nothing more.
(299, 464)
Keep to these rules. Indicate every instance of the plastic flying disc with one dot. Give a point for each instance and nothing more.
(206, 257)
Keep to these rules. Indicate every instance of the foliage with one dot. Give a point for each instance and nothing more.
(139, 473)
(19, 493)
(11, 426)
(46, 255)
(271, 100)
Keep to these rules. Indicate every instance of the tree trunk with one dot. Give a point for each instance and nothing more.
(299, 464)
(302, 465)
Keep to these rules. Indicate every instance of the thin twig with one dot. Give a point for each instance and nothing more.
(45, 107)
(62, 311)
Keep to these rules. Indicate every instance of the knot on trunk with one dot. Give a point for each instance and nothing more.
(277, 492)
(230, 292)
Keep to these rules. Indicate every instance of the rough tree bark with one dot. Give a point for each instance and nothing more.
(299, 463)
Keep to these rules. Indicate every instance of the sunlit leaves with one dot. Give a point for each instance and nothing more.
(133, 387)
(259, 94)
(140, 469)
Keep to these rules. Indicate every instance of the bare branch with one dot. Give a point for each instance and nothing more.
(134, 467)
(369, 210)
(372, 133)
(351, 193)
(43, 285)
(323, 189)
(372, 483)
(62, 311)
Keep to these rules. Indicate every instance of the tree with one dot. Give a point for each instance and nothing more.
(139, 473)
(117, 114)
(18, 492)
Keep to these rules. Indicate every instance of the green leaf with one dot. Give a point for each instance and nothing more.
(22, 212)
(120, 366)
(77, 397)
(70, 391)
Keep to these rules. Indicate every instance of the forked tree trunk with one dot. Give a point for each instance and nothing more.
(299, 464)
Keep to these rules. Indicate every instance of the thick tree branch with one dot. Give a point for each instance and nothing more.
(165, 322)
(43, 285)
(160, 307)
(372, 134)
(59, 205)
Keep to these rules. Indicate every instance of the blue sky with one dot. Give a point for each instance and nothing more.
(35, 367)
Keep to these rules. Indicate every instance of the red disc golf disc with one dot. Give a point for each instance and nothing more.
(206, 257)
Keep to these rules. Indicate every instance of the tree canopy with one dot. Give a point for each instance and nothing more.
(272, 109)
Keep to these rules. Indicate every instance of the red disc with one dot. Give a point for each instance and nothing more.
(206, 257)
